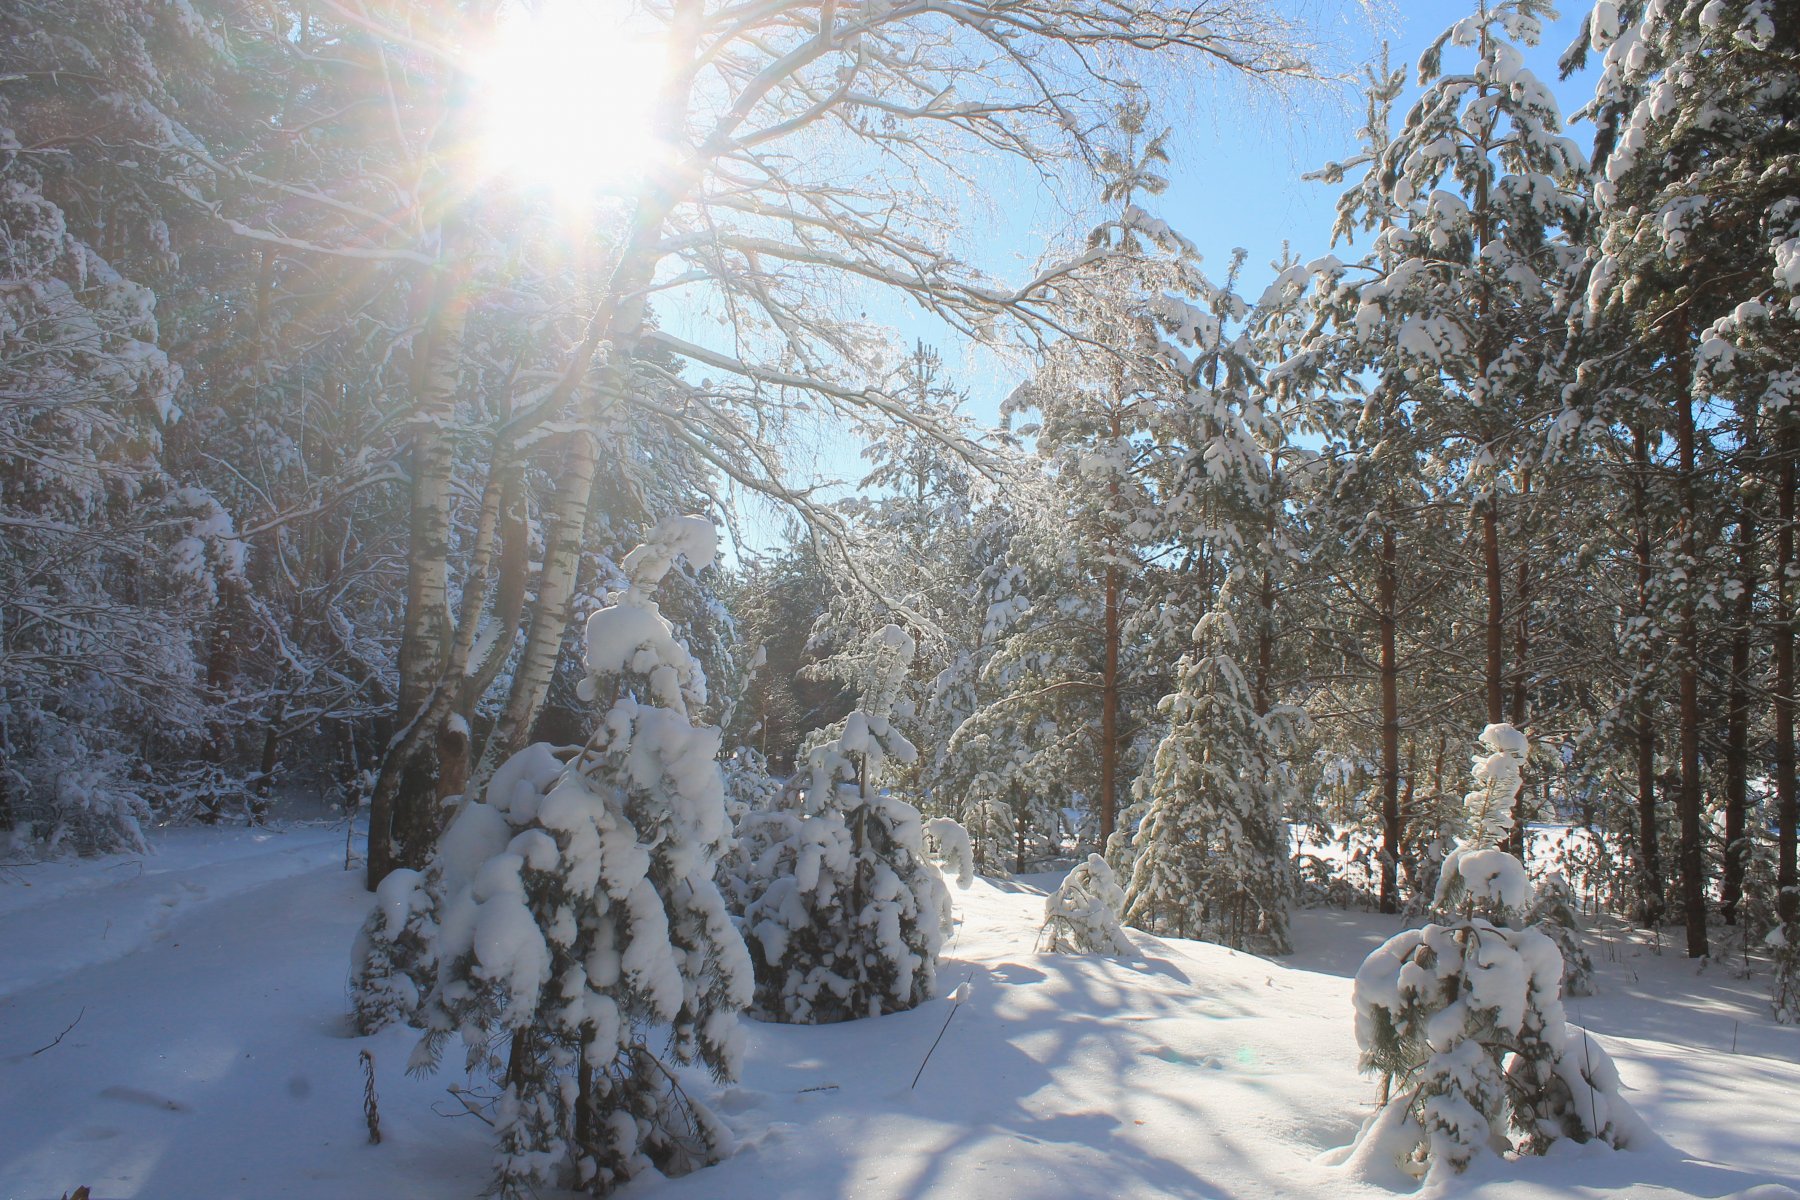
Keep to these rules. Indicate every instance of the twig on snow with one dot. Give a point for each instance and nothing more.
(65, 1033)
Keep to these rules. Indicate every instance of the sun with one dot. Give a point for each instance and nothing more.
(563, 96)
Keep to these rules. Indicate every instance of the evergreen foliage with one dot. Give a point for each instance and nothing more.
(1082, 915)
(845, 914)
(1463, 1019)
(572, 914)
(1212, 858)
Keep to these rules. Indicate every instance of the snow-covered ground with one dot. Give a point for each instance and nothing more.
(204, 1055)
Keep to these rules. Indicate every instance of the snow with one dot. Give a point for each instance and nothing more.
(212, 1059)
(954, 850)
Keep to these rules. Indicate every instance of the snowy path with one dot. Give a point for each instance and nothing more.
(214, 1061)
(211, 1061)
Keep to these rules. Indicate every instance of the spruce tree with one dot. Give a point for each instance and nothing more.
(1212, 858)
(1463, 1018)
(572, 917)
(1082, 915)
(846, 914)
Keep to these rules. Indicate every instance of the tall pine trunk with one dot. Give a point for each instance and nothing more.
(1693, 862)
(1737, 715)
(1496, 610)
(1787, 798)
(1109, 708)
(1521, 648)
(1649, 864)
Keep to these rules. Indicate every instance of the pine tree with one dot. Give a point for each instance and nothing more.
(1694, 109)
(846, 914)
(573, 913)
(1462, 1018)
(1212, 858)
(1554, 912)
(108, 561)
(1082, 915)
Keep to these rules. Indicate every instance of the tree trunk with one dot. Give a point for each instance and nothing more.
(1109, 709)
(1496, 610)
(1787, 797)
(1265, 644)
(555, 596)
(1521, 647)
(1649, 865)
(1020, 817)
(1737, 723)
(1385, 600)
(1693, 863)
(395, 817)
(452, 758)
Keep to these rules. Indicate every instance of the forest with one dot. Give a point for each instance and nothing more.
(555, 529)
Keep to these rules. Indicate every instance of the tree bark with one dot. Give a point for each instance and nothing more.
(1693, 863)
(1787, 797)
(1649, 864)
(398, 809)
(1386, 603)
(1496, 610)
(1521, 647)
(1737, 722)
(1109, 709)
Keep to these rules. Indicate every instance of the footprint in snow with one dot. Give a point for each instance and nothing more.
(1170, 1055)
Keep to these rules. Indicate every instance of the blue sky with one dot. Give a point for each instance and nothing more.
(1235, 180)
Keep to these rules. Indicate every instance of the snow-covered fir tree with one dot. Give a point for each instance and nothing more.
(573, 918)
(1082, 915)
(1212, 858)
(845, 914)
(108, 562)
(1463, 1018)
(950, 845)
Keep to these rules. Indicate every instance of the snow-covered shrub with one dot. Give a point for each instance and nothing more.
(847, 914)
(949, 844)
(67, 796)
(1463, 1019)
(575, 916)
(392, 954)
(1553, 914)
(748, 784)
(1082, 916)
(205, 792)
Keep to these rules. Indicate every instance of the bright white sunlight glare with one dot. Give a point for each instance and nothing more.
(564, 94)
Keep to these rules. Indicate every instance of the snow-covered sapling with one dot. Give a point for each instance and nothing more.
(392, 956)
(1082, 916)
(949, 843)
(1463, 1019)
(848, 914)
(1212, 852)
(576, 915)
(1554, 913)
